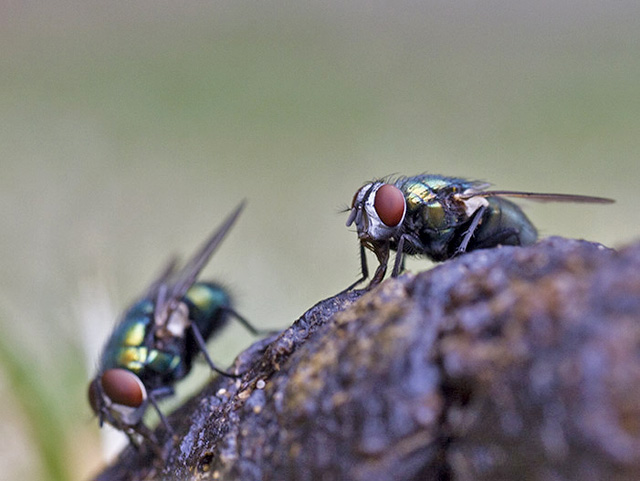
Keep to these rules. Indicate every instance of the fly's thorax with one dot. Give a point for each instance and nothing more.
(126, 347)
(132, 329)
(148, 362)
(133, 347)
(433, 216)
(132, 358)
(424, 206)
(426, 211)
(439, 206)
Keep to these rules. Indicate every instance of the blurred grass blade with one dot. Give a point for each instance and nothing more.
(46, 432)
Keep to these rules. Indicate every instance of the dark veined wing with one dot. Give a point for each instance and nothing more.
(167, 293)
(540, 197)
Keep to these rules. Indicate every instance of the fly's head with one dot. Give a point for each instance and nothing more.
(378, 210)
(118, 397)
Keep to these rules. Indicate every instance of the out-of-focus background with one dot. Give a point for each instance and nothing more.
(128, 130)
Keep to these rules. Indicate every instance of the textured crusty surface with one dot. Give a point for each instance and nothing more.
(507, 363)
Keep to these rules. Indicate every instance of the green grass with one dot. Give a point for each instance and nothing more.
(47, 431)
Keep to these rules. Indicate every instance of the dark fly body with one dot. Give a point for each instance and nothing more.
(439, 217)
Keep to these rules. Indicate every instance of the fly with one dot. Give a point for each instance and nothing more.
(439, 217)
(154, 344)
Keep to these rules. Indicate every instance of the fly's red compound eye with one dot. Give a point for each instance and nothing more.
(389, 204)
(123, 387)
(94, 396)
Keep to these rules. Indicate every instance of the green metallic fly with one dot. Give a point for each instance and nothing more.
(439, 217)
(154, 344)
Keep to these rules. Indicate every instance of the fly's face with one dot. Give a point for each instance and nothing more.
(119, 397)
(378, 210)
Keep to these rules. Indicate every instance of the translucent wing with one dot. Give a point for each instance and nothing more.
(540, 197)
(167, 293)
(162, 279)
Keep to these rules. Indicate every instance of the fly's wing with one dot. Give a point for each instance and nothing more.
(155, 290)
(167, 294)
(540, 197)
(479, 186)
(161, 280)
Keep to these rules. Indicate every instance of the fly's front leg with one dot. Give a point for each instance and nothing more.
(364, 269)
(382, 253)
(154, 397)
(149, 437)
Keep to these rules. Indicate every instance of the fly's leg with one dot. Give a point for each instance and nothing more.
(500, 238)
(364, 269)
(248, 326)
(134, 437)
(147, 435)
(382, 253)
(156, 395)
(203, 347)
(398, 265)
(141, 437)
(477, 217)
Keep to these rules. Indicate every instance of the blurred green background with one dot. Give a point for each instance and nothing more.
(130, 129)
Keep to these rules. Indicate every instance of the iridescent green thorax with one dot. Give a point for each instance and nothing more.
(124, 346)
(423, 189)
(433, 183)
(128, 347)
(431, 202)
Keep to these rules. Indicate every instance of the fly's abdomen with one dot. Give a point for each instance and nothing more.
(207, 303)
(504, 224)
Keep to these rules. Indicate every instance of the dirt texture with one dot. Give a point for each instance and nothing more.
(501, 364)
